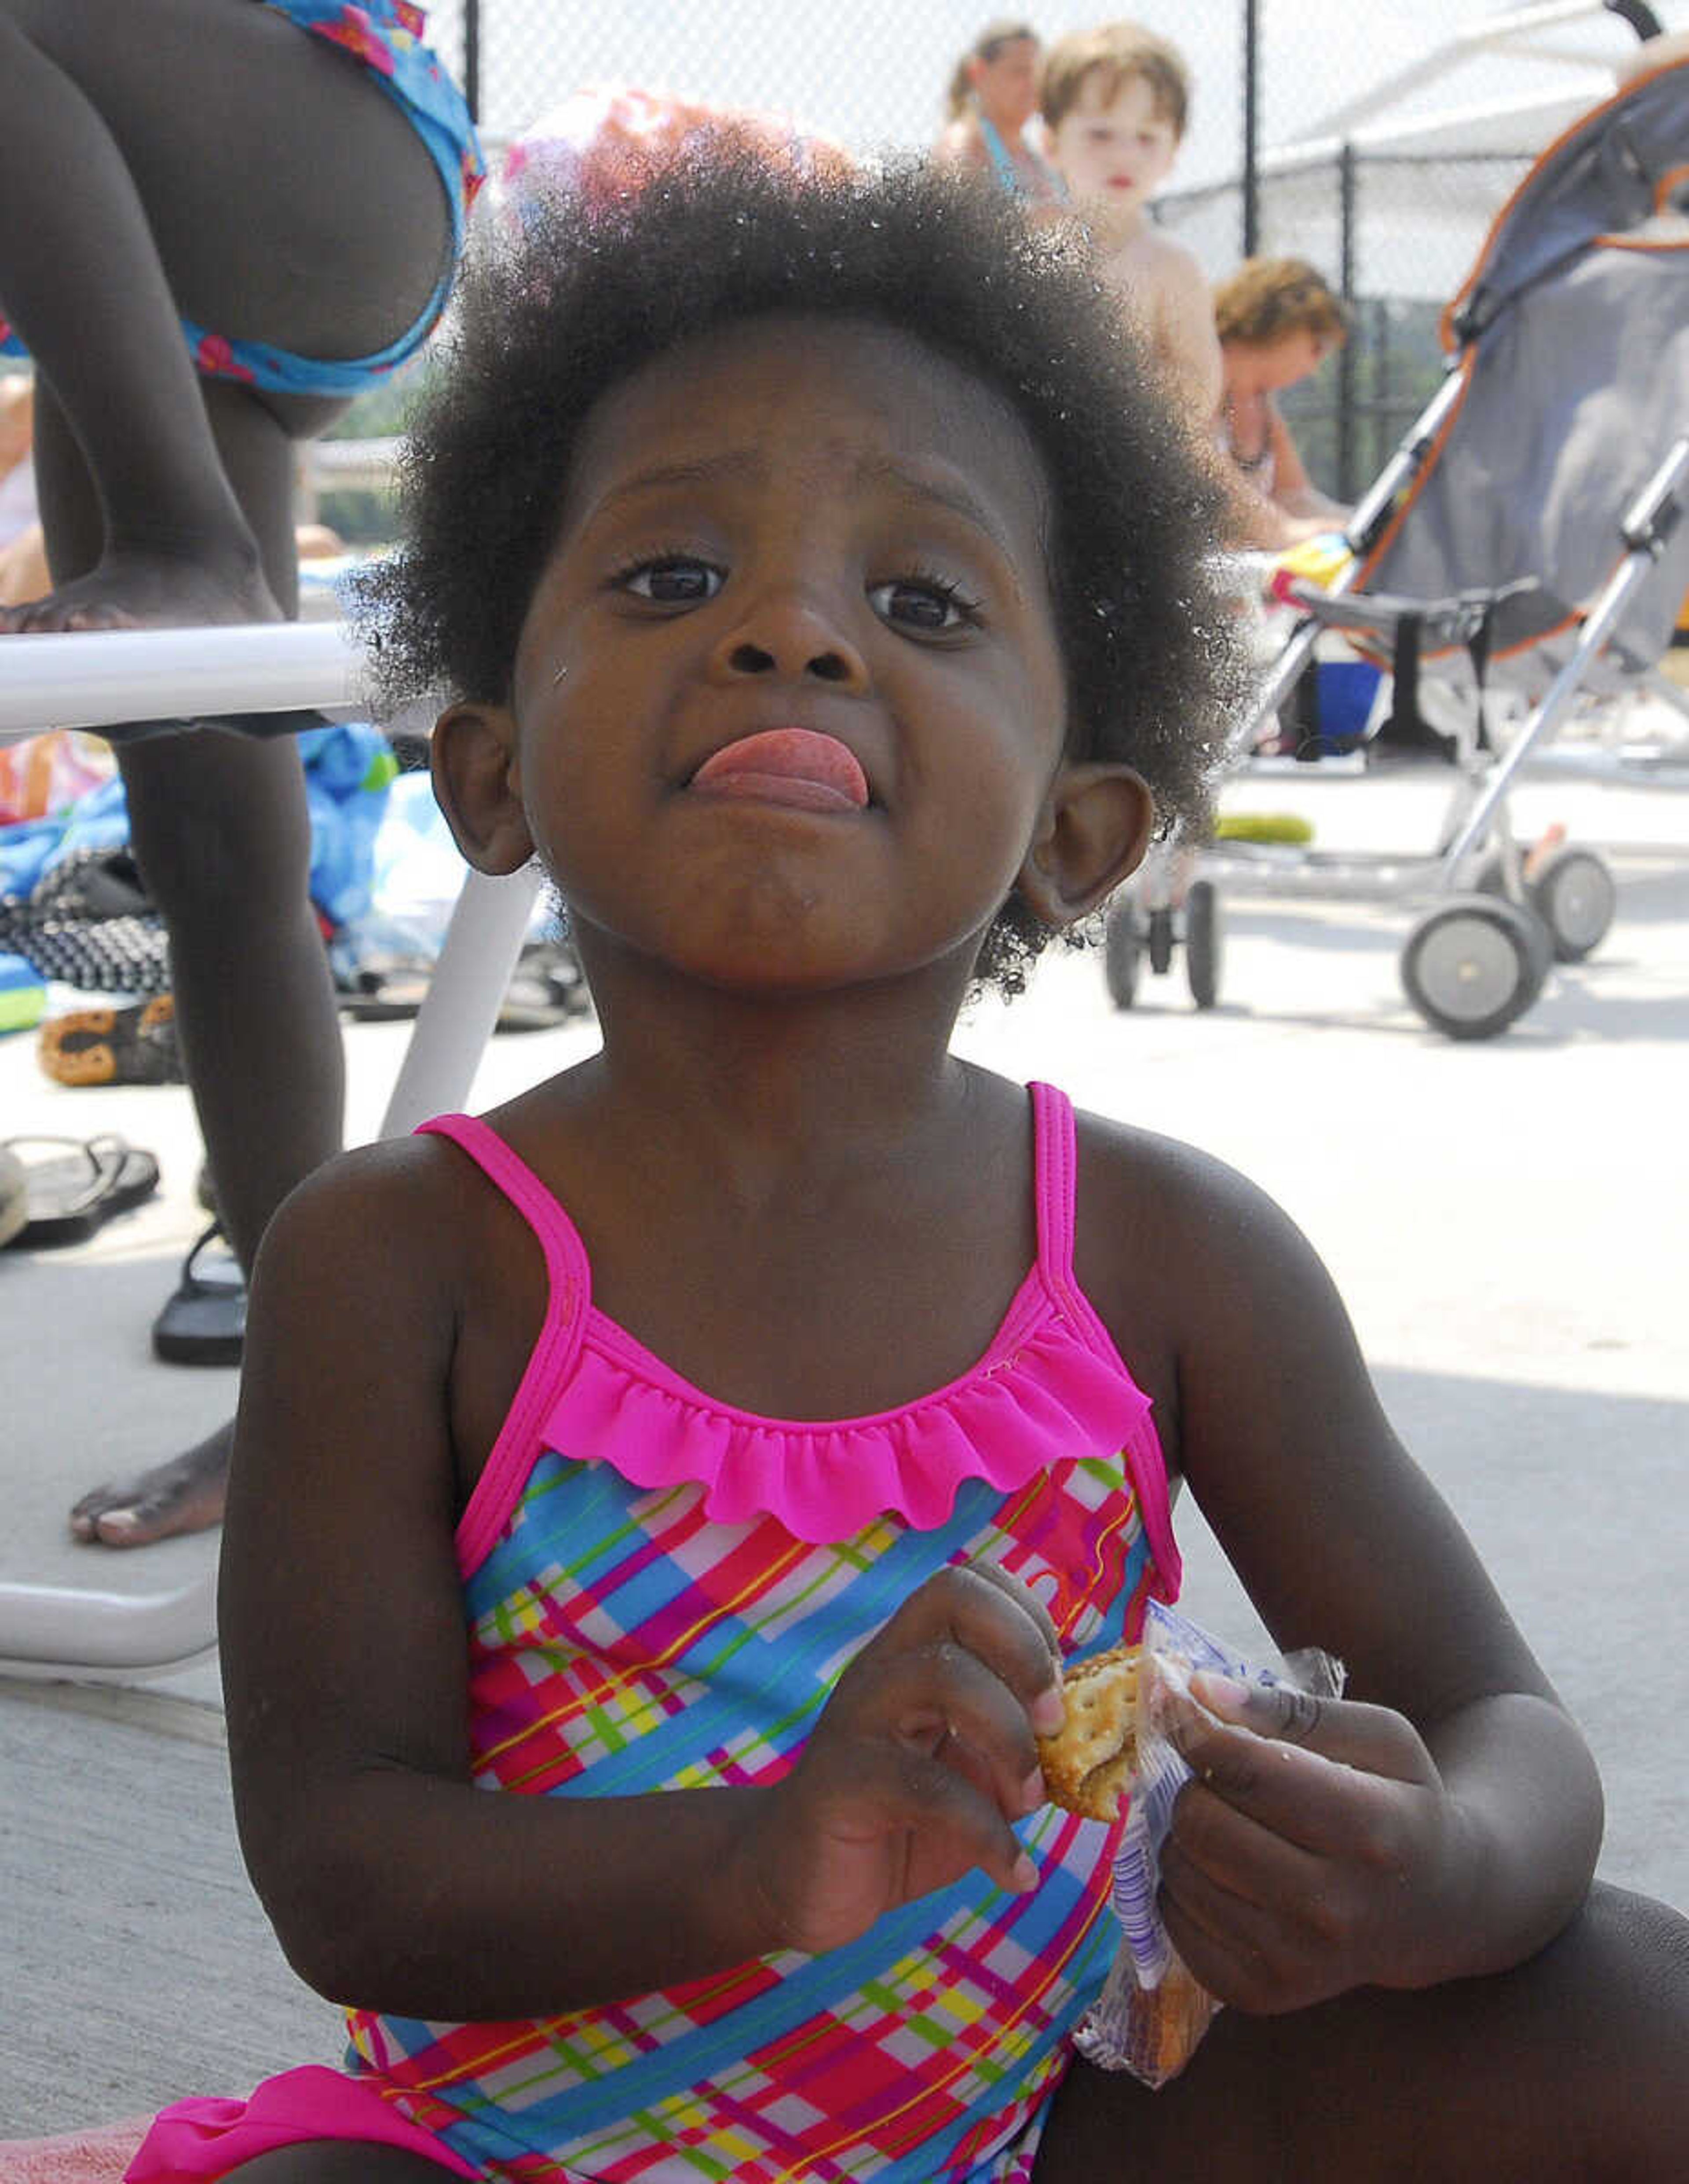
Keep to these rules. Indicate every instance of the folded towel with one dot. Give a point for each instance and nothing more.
(97, 2156)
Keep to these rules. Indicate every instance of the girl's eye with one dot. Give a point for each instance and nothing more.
(925, 603)
(673, 580)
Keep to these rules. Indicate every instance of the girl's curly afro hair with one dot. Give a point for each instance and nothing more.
(553, 318)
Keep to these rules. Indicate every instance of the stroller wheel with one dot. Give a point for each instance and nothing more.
(1123, 954)
(1204, 942)
(1473, 963)
(1572, 893)
(1160, 941)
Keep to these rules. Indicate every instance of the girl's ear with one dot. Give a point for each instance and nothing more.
(1092, 831)
(477, 780)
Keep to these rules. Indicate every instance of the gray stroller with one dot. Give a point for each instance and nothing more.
(1524, 540)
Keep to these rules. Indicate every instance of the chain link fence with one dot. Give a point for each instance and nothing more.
(1375, 137)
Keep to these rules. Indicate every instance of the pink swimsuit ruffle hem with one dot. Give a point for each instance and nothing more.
(1031, 1406)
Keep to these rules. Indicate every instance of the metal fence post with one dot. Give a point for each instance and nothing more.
(1348, 480)
(471, 58)
(1252, 127)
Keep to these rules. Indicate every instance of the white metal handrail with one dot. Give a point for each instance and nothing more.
(103, 679)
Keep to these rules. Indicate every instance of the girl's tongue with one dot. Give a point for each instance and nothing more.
(787, 766)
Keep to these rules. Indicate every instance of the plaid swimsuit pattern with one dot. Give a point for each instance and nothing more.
(659, 1593)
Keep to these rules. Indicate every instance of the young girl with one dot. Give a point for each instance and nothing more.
(222, 221)
(662, 1509)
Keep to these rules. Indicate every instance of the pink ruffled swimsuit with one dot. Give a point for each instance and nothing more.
(659, 1593)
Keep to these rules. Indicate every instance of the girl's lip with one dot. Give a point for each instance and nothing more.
(800, 768)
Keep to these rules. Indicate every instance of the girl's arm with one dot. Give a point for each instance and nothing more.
(1441, 1820)
(393, 1882)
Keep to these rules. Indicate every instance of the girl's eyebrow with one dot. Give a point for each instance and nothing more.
(706, 470)
(948, 492)
(739, 465)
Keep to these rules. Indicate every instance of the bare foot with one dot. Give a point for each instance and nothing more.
(135, 587)
(183, 1496)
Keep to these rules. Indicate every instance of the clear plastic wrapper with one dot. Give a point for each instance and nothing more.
(1152, 2014)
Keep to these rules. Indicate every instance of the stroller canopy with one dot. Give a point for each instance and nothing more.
(1572, 334)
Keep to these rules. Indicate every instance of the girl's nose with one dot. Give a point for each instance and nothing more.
(782, 634)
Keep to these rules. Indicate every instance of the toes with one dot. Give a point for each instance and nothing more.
(119, 1517)
(99, 616)
(128, 1525)
(86, 1513)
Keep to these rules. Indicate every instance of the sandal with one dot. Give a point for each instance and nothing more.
(69, 1197)
(133, 1045)
(205, 1322)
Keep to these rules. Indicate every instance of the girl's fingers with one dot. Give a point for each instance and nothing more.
(939, 1803)
(1371, 1737)
(1026, 1599)
(981, 1611)
(944, 1703)
(1325, 1807)
(1238, 1950)
(1251, 1864)
(1340, 1792)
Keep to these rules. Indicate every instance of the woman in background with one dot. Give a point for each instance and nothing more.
(993, 95)
(1277, 321)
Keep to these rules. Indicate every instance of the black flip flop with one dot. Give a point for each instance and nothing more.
(386, 988)
(205, 1322)
(71, 1196)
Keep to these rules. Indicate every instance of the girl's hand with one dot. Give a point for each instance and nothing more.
(1319, 1854)
(924, 1756)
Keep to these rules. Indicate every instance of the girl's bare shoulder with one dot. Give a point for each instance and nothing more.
(1174, 1244)
(1141, 1187)
(408, 1219)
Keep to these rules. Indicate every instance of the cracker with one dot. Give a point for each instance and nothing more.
(1089, 1763)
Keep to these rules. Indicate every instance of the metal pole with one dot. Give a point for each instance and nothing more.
(1347, 479)
(1252, 120)
(471, 58)
(90, 679)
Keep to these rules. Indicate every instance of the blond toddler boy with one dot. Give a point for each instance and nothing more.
(1115, 101)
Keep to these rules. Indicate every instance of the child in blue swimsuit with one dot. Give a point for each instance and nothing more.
(222, 219)
(662, 1506)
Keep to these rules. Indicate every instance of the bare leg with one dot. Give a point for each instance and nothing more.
(1575, 2066)
(222, 836)
(212, 160)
